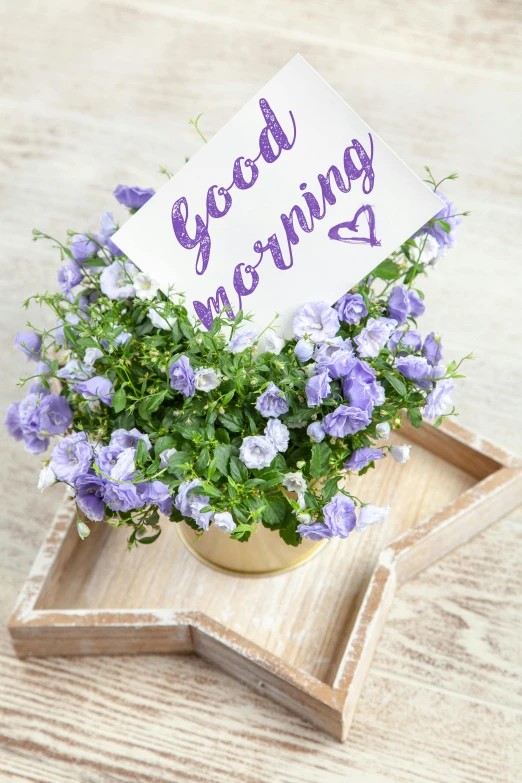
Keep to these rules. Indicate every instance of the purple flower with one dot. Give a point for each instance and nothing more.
(122, 338)
(132, 197)
(106, 457)
(417, 306)
(71, 457)
(316, 432)
(351, 308)
(439, 399)
(373, 337)
(90, 491)
(12, 421)
(83, 247)
(29, 343)
(432, 349)
(75, 370)
(107, 229)
(409, 339)
(128, 439)
(399, 304)
(272, 402)
(413, 367)
(257, 451)
(96, 388)
(317, 320)
(447, 213)
(122, 496)
(69, 275)
(363, 394)
(156, 493)
(346, 420)
(116, 280)
(190, 505)
(304, 349)
(362, 457)
(244, 337)
(337, 361)
(315, 531)
(182, 377)
(339, 515)
(55, 415)
(318, 389)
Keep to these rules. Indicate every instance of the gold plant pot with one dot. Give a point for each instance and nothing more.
(264, 554)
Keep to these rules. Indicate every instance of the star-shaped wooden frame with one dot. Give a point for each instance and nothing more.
(43, 623)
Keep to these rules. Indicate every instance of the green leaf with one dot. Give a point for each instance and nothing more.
(290, 535)
(415, 416)
(222, 454)
(208, 489)
(202, 461)
(238, 471)
(152, 403)
(397, 384)
(226, 399)
(445, 226)
(330, 488)
(119, 400)
(149, 539)
(141, 453)
(177, 460)
(388, 270)
(231, 422)
(319, 464)
(163, 443)
(271, 478)
(275, 512)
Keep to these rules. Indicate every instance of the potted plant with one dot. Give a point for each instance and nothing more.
(242, 439)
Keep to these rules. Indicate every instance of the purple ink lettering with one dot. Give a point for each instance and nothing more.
(212, 208)
(273, 247)
(326, 187)
(365, 161)
(201, 239)
(239, 180)
(204, 313)
(278, 134)
(288, 224)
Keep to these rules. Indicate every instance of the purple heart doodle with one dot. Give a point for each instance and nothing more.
(351, 225)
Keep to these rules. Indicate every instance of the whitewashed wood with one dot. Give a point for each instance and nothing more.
(78, 114)
(94, 598)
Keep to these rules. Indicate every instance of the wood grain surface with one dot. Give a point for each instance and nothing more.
(94, 93)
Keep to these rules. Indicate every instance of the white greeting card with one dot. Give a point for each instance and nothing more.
(294, 200)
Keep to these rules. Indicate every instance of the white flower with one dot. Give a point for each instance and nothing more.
(116, 280)
(165, 456)
(278, 434)
(295, 482)
(145, 286)
(206, 379)
(92, 355)
(83, 530)
(159, 319)
(383, 430)
(244, 337)
(304, 519)
(427, 251)
(371, 515)
(400, 453)
(273, 343)
(257, 451)
(224, 522)
(46, 478)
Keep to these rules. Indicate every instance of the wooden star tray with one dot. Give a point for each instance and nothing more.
(303, 638)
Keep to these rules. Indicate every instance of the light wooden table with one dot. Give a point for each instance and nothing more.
(96, 93)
